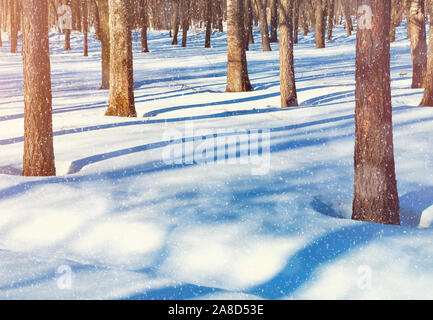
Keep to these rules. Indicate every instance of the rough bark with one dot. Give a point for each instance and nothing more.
(237, 70)
(208, 23)
(12, 6)
(331, 9)
(295, 20)
(104, 24)
(418, 42)
(176, 21)
(287, 71)
(38, 159)
(427, 99)
(266, 46)
(121, 101)
(274, 20)
(375, 187)
(320, 25)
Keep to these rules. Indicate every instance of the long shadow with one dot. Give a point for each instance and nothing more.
(413, 204)
(300, 268)
(181, 292)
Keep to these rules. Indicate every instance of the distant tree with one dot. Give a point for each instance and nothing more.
(266, 46)
(331, 9)
(375, 186)
(418, 42)
(345, 8)
(427, 99)
(273, 4)
(144, 22)
(38, 159)
(85, 24)
(175, 21)
(104, 24)
(13, 17)
(237, 70)
(295, 20)
(121, 102)
(320, 22)
(287, 70)
(186, 19)
(208, 19)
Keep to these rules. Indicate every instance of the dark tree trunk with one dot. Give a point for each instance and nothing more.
(144, 21)
(237, 70)
(176, 21)
(186, 19)
(295, 20)
(418, 42)
(427, 100)
(320, 25)
(219, 13)
(13, 25)
(375, 187)
(346, 15)
(249, 15)
(38, 159)
(121, 101)
(266, 46)
(287, 71)
(105, 42)
(208, 23)
(96, 20)
(274, 21)
(331, 8)
(85, 25)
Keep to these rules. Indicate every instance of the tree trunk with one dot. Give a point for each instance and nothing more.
(295, 20)
(274, 21)
(250, 18)
(346, 15)
(287, 71)
(427, 100)
(144, 21)
(219, 13)
(208, 23)
(237, 70)
(331, 8)
(320, 25)
(121, 101)
(266, 46)
(105, 42)
(85, 25)
(375, 187)
(418, 42)
(176, 21)
(185, 20)
(13, 25)
(38, 159)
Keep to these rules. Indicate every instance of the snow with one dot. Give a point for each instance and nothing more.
(120, 221)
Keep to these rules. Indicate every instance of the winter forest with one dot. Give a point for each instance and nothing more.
(216, 149)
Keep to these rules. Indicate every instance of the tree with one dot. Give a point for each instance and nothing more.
(121, 101)
(176, 21)
(344, 5)
(237, 70)
(38, 159)
(287, 71)
(104, 25)
(331, 7)
(208, 17)
(295, 20)
(186, 19)
(427, 99)
(266, 46)
(85, 24)
(320, 25)
(66, 30)
(144, 21)
(418, 42)
(375, 186)
(274, 20)
(13, 25)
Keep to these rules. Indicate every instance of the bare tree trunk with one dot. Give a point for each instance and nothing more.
(176, 21)
(274, 20)
(295, 20)
(418, 42)
(144, 21)
(331, 8)
(105, 42)
(427, 100)
(346, 15)
(287, 71)
(375, 186)
(249, 15)
(38, 159)
(219, 13)
(186, 20)
(121, 102)
(320, 25)
(208, 23)
(13, 25)
(85, 25)
(266, 46)
(237, 70)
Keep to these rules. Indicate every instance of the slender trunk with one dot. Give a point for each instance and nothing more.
(121, 101)
(105, 42)
(295, 20)
(219, 13)
(346, 15)
(287, 70)
(427, 99)
(13, 25)
(331, 8)
(266, 46)
(144, 21)
(250, 17)
(176, 21)
(85, 25)
(418, 42)
(208, 23)
(375, 187)
(38, 159)
(274, 20)
(237, 70)
(185, 20)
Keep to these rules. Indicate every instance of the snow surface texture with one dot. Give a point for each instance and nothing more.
(118, 222)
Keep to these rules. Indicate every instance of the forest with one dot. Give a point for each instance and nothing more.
(216, 149)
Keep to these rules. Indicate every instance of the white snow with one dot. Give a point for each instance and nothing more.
(119, 222)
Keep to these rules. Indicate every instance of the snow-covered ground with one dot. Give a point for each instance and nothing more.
(123, 221)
